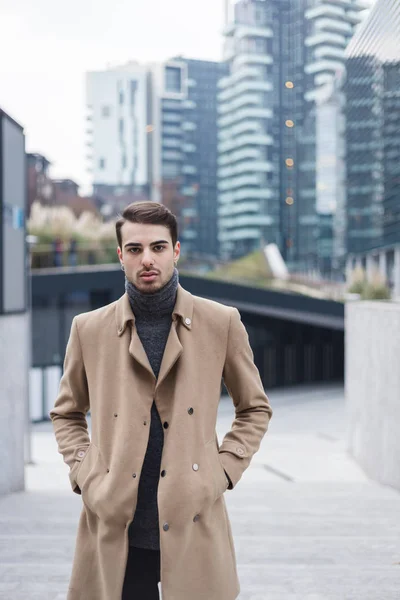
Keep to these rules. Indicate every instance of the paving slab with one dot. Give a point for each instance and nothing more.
(307, 522)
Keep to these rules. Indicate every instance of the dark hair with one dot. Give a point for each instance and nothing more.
(151, 213)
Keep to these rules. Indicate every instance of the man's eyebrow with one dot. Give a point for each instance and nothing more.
(138, 245)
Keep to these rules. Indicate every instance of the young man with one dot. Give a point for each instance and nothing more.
(152, 476)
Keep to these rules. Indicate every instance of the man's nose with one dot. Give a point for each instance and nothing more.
(147, 259)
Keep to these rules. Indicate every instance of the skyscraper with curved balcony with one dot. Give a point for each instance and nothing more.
(281, 55)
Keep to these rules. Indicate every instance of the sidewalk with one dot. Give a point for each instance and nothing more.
(307, 523)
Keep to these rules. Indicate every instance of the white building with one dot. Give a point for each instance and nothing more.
(331, 26)
(117, 118)
(245, 212)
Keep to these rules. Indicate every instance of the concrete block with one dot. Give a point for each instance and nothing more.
(372, 388)
(14, 357)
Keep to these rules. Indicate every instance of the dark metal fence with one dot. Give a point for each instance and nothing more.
(295, 339)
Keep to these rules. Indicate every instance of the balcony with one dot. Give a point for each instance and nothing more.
(189, 170)
(247, 221)
(228, 210)
(188, 234)
(324, 10)
(171, 143)
(253, 166)
(245, 86)
(171, 130)
(229, 29)
(236, 182)
(242, 100)
(248, 59)
(229, 81)
(334, 26)
(245, 113)
(244, 31)
(189, 126)
(189, 148)
(171, 117)
(357, 5)
(189, 190)
(319, 66)
(245, 140)
(329, 52)
(249, 126)
(324, 37)
(245, 193)
(171, 155)
(189, 104)
(238, 155)
(322, 79)
(354, 18)
(239, 235)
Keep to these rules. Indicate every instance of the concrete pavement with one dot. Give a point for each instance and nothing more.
(307, 523)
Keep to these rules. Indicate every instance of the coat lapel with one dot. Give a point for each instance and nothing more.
(124, 315)
(182, 314)
(172, 352)
(138, 353)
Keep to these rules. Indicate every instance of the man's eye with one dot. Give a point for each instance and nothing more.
(159, 248)
(134, 250)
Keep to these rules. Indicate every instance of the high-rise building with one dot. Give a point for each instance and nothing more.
(247, 160)
(281, 55)
(185, 148)
(373, 131)
(330, 25)
(152, 135)
(117, 118)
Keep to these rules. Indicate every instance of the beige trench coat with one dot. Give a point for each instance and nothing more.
(107, 371)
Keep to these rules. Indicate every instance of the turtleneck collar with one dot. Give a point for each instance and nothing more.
(160, 303)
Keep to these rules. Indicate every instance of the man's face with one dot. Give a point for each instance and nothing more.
(147, 255)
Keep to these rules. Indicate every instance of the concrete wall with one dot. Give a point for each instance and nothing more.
(372, 380)
(14, 356)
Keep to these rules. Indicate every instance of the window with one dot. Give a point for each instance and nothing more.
(121, 97)
(102, 164)
(124, 161)
(121, 126)
(105, 112)
(173, 79)
(133, 92)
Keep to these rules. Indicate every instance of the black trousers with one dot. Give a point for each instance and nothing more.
(142, 575)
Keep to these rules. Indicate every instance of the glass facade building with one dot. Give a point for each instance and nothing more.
(282, 55)
(247, 183)
(185, 164)
(373, 131)
(330, 25)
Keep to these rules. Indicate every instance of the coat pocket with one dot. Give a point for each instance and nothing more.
(87, 475)
(217, 470)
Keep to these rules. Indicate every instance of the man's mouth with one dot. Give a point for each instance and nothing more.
(149, 275)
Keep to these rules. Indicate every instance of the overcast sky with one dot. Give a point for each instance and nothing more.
(47, 46)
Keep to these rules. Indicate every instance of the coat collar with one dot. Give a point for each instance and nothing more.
(183, 309)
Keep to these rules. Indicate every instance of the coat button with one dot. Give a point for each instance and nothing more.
(240, 451)
(166, 425)
(191, 411)
(165, 526)
(144, 422)
(115, 415)
(134, 475)
(163, 473)
(195, 467)
(196, 518)
(188, 321)
(81, 453)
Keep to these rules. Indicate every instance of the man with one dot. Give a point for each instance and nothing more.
(152, 476)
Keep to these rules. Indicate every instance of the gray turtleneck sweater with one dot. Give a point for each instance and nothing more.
(153, 317)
